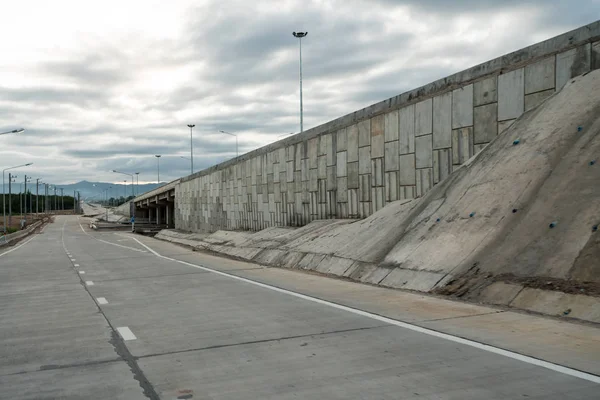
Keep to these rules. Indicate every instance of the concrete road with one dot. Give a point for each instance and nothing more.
(86, 315)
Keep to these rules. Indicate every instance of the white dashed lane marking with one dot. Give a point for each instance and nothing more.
(126, 333)
(89, 283)
(102, 300)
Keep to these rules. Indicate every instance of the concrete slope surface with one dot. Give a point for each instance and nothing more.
(514, 225)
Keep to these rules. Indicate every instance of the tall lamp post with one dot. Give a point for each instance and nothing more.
(236, 141)
(3, 191)
(191, 126)
(158, 168)
(125, 173)
(300, 35)
(137, 183)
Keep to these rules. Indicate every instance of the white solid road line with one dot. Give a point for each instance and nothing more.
(114, 244)
(89, 283)
(18, 247)
(126, 333)
(416, 328)
(102, 300)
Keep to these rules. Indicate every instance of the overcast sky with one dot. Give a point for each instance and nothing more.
(107, 84)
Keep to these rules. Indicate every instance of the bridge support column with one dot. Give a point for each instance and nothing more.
(158, 215)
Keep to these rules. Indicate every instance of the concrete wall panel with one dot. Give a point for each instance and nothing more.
(392, 156)
(377, 136)
(540, 75)
(407, 129)
(391, 126)
(442, 121)
(511, 95)
(424, 181)
(486, 125)
(423, 118)
(364, 133)
(341, 164)
(352, 172)
(462, 107)
(391, 186)
(407, 170)
(485, 91)
(462, 145)
(352, 136)
(572, 63)
(424, 148)
(442, 164)
(364, 160)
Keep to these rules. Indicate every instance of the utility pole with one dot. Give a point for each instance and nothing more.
(55, 201)
(37, 194)
(10, 178)
(25, 199)
(62, 199)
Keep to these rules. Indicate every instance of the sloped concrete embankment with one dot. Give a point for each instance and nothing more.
(516, 225)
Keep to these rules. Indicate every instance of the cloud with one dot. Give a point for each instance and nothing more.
(98, 90)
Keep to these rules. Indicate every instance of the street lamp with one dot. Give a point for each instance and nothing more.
(158, 168)
(300, 35)
(236, 141)
(13, 131)
(125, 173)
(4, 190)
(191, 126)
(137, 184)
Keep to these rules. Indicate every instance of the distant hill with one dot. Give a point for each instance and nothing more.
(94, 189)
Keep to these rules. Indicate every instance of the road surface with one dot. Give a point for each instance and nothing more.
(87, 315)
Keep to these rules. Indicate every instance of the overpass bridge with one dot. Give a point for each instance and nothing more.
(157, 206)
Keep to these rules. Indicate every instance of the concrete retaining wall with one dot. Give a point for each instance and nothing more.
(396, 149)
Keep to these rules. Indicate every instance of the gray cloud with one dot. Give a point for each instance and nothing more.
(112, 105)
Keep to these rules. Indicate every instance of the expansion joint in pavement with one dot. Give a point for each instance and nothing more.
(263, 341)
(463, 316)
(51, 367)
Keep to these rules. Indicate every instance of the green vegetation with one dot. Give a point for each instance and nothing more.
(17, 202)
